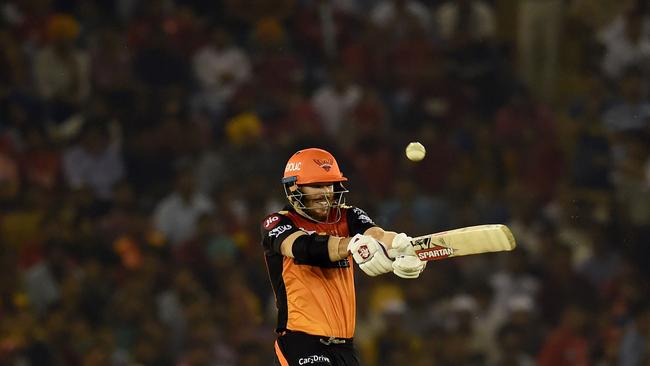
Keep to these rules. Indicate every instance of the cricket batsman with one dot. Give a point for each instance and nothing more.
(308, 248)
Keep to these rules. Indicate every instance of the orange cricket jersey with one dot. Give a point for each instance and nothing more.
(315, 299)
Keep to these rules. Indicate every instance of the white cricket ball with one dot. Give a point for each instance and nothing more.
(415, 151)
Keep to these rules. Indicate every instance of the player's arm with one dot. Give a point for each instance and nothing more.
(398, 247)
(396, 243)
(368, 253)
(281, 236)
(336, 247)
(393, 253)
(360, 223)
(386, 237)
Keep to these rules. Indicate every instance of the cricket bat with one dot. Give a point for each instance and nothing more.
(465, 241)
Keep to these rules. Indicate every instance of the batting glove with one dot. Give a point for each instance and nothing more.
(401, 245)
(408, 266)
(370, 255)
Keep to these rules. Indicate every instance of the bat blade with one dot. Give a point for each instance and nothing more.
(464, 241)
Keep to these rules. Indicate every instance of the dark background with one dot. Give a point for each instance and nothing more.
(142, 143)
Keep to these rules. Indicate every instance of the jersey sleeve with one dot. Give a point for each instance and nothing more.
(358, 221)
(275, 228)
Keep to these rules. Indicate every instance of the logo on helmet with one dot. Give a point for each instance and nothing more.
(293, 167)
(326, 164)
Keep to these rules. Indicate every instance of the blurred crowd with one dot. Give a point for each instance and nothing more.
(143, 141)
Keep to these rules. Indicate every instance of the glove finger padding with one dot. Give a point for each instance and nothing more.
(370, 255)
(378, 264)
(408, 266)
(401, 245)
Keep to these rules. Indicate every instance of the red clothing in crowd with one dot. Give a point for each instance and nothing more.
(564, 348)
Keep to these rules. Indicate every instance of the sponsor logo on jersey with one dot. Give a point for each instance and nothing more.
(293, 167)
(434, 253)
(279, 230)
(363, 216)
(271, 221)
(313, 359)
(326, 164)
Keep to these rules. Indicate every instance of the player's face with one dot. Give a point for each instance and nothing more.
(318, 199)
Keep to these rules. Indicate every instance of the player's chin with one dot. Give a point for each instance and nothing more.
(319, 213)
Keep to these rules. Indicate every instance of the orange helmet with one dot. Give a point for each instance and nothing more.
(312, 166)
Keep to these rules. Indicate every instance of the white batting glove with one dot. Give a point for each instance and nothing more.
(408, 266)
(370, 255)
(401, 245)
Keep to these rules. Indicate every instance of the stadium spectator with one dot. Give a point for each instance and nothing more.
(395, 16)
(539, 29)
(335, 101)
(221, 68)
(634, 346)
(630, 112)
(567, 344)
(627, 42)
(466, 21)
(61, 69)
(99, 242)
(95, 161)
(177, 214)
